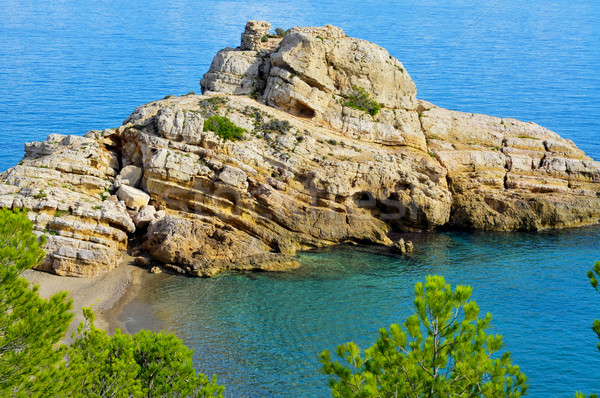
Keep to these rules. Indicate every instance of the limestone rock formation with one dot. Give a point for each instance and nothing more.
(336, 148)
(64, 183)
(253, 34)
(510, 175)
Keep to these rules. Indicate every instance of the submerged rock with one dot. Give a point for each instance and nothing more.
(402, 247)
(335, 148)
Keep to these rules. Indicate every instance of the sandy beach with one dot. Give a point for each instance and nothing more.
(107, 294)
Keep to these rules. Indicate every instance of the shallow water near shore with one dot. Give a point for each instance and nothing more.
(261, 333)
(69, 67)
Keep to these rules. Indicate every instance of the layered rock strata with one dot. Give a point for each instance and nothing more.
(64, 182)
(336, 148)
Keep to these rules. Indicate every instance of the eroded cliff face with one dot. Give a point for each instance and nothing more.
(316, 166)
(509, 175)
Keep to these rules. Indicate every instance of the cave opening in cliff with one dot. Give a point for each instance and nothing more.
(364, 199)
(302, 110)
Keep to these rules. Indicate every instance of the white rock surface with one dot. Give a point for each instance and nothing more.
(145, 216)
(131, 175)
(133, 197)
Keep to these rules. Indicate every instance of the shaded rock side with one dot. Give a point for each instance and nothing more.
(206, 246)
(314, 167)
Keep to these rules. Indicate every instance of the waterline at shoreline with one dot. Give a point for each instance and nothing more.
(107, 293)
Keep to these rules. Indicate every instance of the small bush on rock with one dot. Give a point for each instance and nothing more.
(276, 126)
(224, 128)
(211, 105)
(361, 99)
(280, 32)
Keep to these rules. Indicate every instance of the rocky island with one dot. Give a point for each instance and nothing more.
(302, 141)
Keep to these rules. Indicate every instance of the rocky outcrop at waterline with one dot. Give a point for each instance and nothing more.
(298, 142)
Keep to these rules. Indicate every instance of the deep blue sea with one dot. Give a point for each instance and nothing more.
(71, 66)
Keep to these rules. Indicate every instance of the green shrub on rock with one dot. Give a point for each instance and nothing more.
(276, 126)
(361, 99)
(210, 106)
(224, 128)
(281, 32)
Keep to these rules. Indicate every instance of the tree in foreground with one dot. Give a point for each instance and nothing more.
(145, 364)
(33, 363)
(593, 274)
(30, 327)
(441, 351)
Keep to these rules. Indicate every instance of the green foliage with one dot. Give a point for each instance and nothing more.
(440, 351)
(526, 136)
(19, 246)
(593, 274)
(145, 364)
(224, 128)
(40, 195)
(270, 126)
(255, 113)
(361, 99)
(30, 327)
(276, 126)
(101, 365)
(264, 39)
(216, 101)
(280, 32)
(210, 106)
(582, 395)
(61, 213)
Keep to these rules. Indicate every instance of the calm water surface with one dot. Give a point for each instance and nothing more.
(70, 66)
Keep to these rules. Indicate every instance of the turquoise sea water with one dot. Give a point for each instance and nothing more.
(261, 333)
(68, 67)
